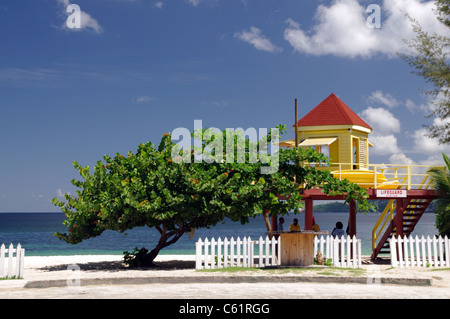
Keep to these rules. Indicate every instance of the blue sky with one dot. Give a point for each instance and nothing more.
(139, 68)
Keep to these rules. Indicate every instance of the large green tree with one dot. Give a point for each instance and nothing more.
(153, 188)
(430, 61)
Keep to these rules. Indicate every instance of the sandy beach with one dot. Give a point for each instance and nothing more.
(104, 266)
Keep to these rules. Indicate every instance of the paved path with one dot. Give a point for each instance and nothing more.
(108, 279)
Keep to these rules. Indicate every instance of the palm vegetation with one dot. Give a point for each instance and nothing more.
(441, 181)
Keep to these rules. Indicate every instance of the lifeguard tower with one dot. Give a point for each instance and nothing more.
(334, 129)
(333, 125)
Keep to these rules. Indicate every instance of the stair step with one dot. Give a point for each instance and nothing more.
(413, 211)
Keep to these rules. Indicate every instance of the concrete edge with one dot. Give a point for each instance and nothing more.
(225, 279)
(13, 283)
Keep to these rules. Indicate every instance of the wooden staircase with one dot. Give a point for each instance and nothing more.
(413, 210)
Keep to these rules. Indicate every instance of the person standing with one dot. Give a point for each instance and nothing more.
(280, 223)
(338, 231)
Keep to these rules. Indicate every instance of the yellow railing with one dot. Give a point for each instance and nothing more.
(383, 221)
(398, 176)
(388, 214)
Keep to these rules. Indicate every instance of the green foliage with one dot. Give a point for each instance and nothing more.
(430, 61)
(137, 258)
(443, 10)
(147, 188)
(441, 182)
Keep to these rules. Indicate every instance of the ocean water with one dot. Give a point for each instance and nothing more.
(34, 231)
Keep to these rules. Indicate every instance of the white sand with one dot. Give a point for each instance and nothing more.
(43, 261)
(102, 266)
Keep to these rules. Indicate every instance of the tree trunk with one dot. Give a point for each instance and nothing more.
(167, 238)
(267, 221)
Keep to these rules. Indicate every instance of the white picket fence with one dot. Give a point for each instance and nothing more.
(211, 254)
(13, 259)
(420, 252)
(344, 252)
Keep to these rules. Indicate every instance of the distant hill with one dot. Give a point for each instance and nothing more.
(338, 207)
(335, 207)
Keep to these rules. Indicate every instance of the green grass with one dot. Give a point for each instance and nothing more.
(438, 269)
(326, 271)
(229, 269)
(10, 278)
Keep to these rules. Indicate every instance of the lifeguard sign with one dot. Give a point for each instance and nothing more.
(397, 193)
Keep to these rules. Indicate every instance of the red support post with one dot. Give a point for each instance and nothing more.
(274, 222)
(399, 217)
(308, 213)
(352, 219)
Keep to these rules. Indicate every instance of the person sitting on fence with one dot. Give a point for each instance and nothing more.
(338, 231)
(294, 226)
(280, 223)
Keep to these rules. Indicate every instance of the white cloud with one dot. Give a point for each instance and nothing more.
(29, 77)
(60, 193)
(144, 99)
(385, 125)
(400, 158)
(427, 145)
(193, 2)
(220, 103)
(436, 159)
(341, 29)
(386, 129)
(255, 37)
(87, 21)
(159, 4)
(381, 120)
(386, 99)
(413, 107)
(384, 144)
(383, 98)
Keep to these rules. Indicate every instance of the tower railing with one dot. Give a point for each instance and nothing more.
(394, 176)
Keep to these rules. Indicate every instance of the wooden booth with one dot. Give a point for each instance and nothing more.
(297, 247)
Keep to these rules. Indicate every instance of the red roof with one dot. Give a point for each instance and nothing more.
(332, 111)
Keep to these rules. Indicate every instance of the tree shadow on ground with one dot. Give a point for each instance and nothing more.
(114, 266)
